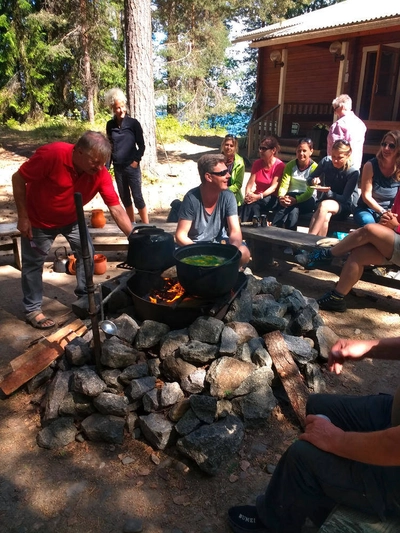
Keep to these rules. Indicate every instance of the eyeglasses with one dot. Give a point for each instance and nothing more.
(264, 148)
(221, 173)
(391, 146)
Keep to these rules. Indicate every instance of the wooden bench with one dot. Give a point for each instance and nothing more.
(9, 232)
(267, 244)
(345, 520)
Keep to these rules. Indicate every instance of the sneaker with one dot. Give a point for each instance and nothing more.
(256, 222)
(332, 302)
(244, 519)
(318, 255)
(302, 258)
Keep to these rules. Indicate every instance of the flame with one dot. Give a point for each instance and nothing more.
(172, 291)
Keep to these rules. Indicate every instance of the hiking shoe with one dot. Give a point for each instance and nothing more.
(302, 258)
(331, 301)
(256, 222)
(315, 257)
(244, 519)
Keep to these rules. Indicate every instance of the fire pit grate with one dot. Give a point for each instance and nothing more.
(125, 266)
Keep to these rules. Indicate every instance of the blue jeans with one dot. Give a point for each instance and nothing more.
(309, 482)
(32, 262)
(129, 181)
(365, 215)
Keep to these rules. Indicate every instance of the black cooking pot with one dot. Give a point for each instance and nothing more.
(204, 281)
(150, 249)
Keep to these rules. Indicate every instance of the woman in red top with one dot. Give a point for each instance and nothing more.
(263, 183)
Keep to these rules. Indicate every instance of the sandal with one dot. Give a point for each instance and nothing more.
(31, 318)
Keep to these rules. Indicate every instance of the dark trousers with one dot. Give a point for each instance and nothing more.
(129, 182)
(309, 482)
(258, 208)
(287, 217)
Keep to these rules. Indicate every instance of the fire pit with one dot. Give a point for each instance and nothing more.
(164, 300)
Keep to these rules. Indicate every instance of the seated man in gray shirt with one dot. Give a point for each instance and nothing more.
(209, 212)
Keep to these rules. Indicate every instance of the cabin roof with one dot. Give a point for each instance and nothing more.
(346, 15)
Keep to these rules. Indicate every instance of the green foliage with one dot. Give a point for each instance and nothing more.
(169, 130)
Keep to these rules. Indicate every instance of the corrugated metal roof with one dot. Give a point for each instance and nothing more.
(343, 14)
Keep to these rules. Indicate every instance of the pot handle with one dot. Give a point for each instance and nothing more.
(65, 250)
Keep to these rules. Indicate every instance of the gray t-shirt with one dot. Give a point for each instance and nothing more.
(205, 227)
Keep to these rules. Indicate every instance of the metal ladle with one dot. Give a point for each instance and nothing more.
(107, 326)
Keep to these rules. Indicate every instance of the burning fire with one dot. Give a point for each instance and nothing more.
(172, 291)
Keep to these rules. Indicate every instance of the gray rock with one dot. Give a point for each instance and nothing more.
(240, 309)
(76, 405)
(132, 421)
(206, 329)
(194, 383)
(150, 334)
(269, 323)
(117, 354)
(87, 382)
(176, 369)
(226, 374)
(261, 358)
(325, 338)
(269, 285)
(229, 342)
(138, 387)
(111, 404)
(204, 407)
(295, 301)
(300, 349)
(154, 367)
(57, 434)
(127, 328)
(212, 445)
(187, 423)
(173, 341)
(302, 321)
(106, 428)
(170, 394)
(151, 401)
(157, 430)
(78, 352)
(255, 381)
(178, 410)
(138, 370)
(265, 307)
(256, 407)
(224, 408)
(314, 378)
(198, 353)
(243, 353)
(56, 393)
(244, 330)
(111, 379)
(286, 290)
(43, 377)
(253, 285)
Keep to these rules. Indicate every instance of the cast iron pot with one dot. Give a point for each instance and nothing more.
(150, 249)
(208, 282)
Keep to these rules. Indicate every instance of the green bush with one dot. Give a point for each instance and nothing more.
(170, 130)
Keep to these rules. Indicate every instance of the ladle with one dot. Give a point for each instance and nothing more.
(107, 326)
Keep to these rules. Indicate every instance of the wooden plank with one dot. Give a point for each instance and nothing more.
(385, 125)
(31, 368)
(289, 373)
(345, 520)
(38, 357)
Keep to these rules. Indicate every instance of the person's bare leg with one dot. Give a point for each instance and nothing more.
(144, 215)
(320, 221)
(353, 269)
(379, 236)
(130, 212)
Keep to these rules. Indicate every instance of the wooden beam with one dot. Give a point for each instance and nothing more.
(29, 364)
(289, 373)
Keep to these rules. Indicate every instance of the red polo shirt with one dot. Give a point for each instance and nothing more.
(52, 181)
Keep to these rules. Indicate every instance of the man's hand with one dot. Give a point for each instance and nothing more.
(346, 348)
(321, 433)
(24, 227)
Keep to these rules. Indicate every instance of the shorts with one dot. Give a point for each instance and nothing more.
(395, 259)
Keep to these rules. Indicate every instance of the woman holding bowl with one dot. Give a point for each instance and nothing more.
(260, 193)
(380, 181)
(235, 165)
(336, 181)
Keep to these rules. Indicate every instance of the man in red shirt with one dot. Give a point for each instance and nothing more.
(44, 188)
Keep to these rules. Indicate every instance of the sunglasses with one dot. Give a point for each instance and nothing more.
(221, 173)
(392, 146)
(264, 148)
(230, 136)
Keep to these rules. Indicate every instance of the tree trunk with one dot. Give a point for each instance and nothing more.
(139, 73)
(87, 70)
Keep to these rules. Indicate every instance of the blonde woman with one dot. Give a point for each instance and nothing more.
(126, 136)
(337, 181)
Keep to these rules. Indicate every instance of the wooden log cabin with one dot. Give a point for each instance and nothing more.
(351, 47)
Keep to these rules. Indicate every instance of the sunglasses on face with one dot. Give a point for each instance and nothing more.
(221, 173)
(392, 146)
(264, 148)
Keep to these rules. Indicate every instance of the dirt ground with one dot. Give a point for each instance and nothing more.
(86, 487)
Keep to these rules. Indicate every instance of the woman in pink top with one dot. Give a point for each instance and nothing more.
(260, 194)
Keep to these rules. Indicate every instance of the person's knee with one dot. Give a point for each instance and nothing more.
(315, 403)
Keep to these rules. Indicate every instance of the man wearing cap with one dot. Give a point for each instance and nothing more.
(44, 188)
